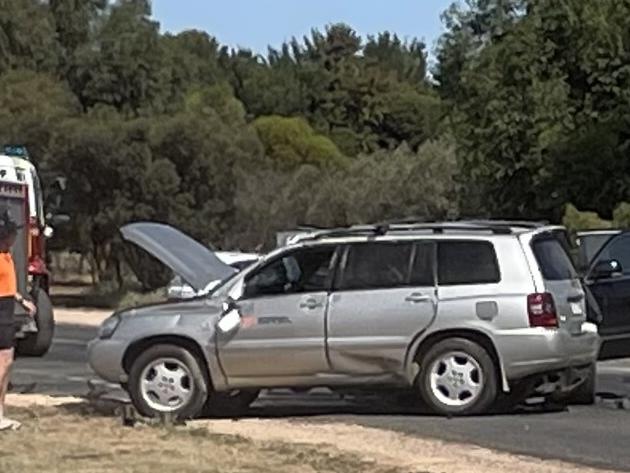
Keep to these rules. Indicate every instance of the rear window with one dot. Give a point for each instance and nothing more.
(553, 260)
(467, 262)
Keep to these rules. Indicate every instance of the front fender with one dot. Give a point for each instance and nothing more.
(189, 324)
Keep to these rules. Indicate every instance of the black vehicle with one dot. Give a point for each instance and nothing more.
(604, 260)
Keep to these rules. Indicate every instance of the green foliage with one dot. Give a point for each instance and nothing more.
(383, 185)
(576, 220)
(403, 184)
(32, 105)
(123, 63)
(621, 215)
(27, 36)
(539, 92)
(527, 109)
(291, 142)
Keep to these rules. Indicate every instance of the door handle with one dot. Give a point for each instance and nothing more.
(417, 297)
(310, 304)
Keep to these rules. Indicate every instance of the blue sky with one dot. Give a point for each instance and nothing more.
(258, 23)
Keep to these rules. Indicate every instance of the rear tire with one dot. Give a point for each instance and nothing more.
(38, 343)
(457, 378)
(168, 380)
(584, 394)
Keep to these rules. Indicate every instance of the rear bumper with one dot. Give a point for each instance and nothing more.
(532, 351)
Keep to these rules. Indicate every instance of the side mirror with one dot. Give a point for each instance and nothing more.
(606, 269)
(231, 318)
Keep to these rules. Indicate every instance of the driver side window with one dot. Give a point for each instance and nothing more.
(618, 250)
(305, 270)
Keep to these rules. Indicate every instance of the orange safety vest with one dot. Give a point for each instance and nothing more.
(8, 282)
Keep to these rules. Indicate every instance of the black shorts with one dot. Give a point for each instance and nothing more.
(7, 323)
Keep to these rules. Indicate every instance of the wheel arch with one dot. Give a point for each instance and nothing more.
(423, 344)
(187, 343)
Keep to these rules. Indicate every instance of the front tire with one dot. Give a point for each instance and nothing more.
(38, 343)
(168, 380)
(458, 377)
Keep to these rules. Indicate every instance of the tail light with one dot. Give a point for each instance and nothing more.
(542, 310)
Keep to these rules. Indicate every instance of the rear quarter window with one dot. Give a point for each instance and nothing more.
(553, 260)
(467, 262)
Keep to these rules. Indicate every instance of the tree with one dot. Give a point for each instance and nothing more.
(208, 147)
(402, 184)
(32, 105)
(122, 66)
(27, 36)
(291, 142)
(407, 61)
(532, 84)
(384, 185)
(74, 21)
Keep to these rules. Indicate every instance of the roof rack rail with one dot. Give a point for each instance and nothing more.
(440, 227)
(385, 228)
(510, 223)
(476, 221)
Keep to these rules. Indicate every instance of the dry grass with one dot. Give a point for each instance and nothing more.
(75, 438)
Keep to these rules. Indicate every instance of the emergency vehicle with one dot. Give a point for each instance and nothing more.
(21, 195)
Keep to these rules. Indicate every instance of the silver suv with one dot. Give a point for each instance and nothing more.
(463, 313)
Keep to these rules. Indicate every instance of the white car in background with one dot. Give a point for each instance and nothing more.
(178, 289)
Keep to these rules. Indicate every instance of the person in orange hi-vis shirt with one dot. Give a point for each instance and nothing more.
(8, 297)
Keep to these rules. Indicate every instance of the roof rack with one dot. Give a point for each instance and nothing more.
(476, 221)
(510, 223)
(385, 228)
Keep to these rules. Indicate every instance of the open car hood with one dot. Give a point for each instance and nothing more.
(187, 258)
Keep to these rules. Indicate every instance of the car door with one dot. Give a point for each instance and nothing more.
(282, 332)
(612, 294)
(384, 296)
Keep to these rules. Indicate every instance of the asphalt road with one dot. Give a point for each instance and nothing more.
(596, 436)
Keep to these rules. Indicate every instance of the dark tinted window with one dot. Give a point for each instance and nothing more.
(619, 250)
(588, 246)
(377, 266)
(553, 260)
(305, 270)
(467, 262)
(422, 266)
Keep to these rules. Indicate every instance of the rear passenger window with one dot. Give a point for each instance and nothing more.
(376, 266)
(553, 260)
(467, 262)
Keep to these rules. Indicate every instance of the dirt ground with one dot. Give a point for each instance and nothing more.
(72, 435)
(75, 438)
